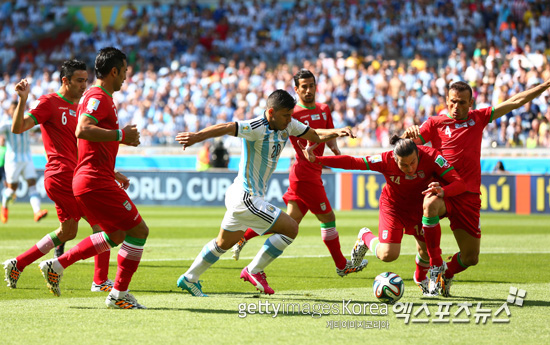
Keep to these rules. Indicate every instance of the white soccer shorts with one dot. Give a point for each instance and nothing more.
(246, 211)
(14, 170)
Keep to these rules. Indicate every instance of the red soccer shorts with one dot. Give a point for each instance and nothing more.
(309, 195)
(463, 213)
(59, 188)
(110, 207)
(392, 223)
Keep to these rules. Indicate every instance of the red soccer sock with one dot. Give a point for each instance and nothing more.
(88, 247)
(455, 266)
(101, 269)
(422, 267)
(37, 251)
(249, 233)
(129, 257)
(432, 235)
(367, 238)
(332, 241)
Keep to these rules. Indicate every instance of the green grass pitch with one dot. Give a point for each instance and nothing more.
(515, 253)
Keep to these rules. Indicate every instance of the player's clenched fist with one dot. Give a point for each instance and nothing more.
(131, 135)
(22, 88)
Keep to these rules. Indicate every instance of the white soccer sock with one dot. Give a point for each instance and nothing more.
(209, 254)
(272, 248)
(34, 199)
(7, 195)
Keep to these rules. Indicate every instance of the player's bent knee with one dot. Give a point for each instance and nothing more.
(387, 256)
(431, 206)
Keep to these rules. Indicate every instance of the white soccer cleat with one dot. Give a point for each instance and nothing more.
(360, 248)
(128, 301)
(423, 285)
(51, 275)
(436, 276)
(237, 248)
(106, 286)
(351, 268)
(12, 274)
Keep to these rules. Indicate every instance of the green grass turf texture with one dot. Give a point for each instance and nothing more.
(514, 252)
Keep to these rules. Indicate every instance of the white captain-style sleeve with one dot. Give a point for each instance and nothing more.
(296, 128)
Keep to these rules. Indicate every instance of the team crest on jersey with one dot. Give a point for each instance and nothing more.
(315, 117)
(324, 116)
(127, 205)
(93, 104)
(385, 234)
(34, 104)
(471, 122)
(245, 129)
(442, 162)
(72, 112)
(270, 208)
(421, 174)
(284, 135)
(375, 159)
(323, 206)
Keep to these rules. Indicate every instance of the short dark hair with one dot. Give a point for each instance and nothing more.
(460, 86)
(303, 74)
(280, 99)
(106, 59)
(403, 147)
(70, 66)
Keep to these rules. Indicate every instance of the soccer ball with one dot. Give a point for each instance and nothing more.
(388, 287)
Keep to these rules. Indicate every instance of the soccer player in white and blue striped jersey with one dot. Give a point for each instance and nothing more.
(263, 140)
(18, 162)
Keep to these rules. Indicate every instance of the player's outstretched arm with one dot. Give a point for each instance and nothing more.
(189, 138)
(320, 135)
(341, 162)
(88, 129)
(20, 122)
(520, 99)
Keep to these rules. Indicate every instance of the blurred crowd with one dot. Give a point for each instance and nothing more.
(382, 66)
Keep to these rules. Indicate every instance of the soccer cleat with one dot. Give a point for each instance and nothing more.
(258, 280)
(126, 302)
(12, 273)
(195, 289)
(40, 214)
(360, 248)
(436, 274)
(446, 286)
(237, 248)
(423, 285)
(351, 268)
(4, 215)
(106, 286)
(52, 276)
(59, 250)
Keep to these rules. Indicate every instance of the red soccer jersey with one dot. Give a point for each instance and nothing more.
(318, 117)
(402, 191)
(96, 160)
(460, 142)
(57, 118)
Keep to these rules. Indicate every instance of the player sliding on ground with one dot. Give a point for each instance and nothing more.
(263, 140)
(409, 172)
